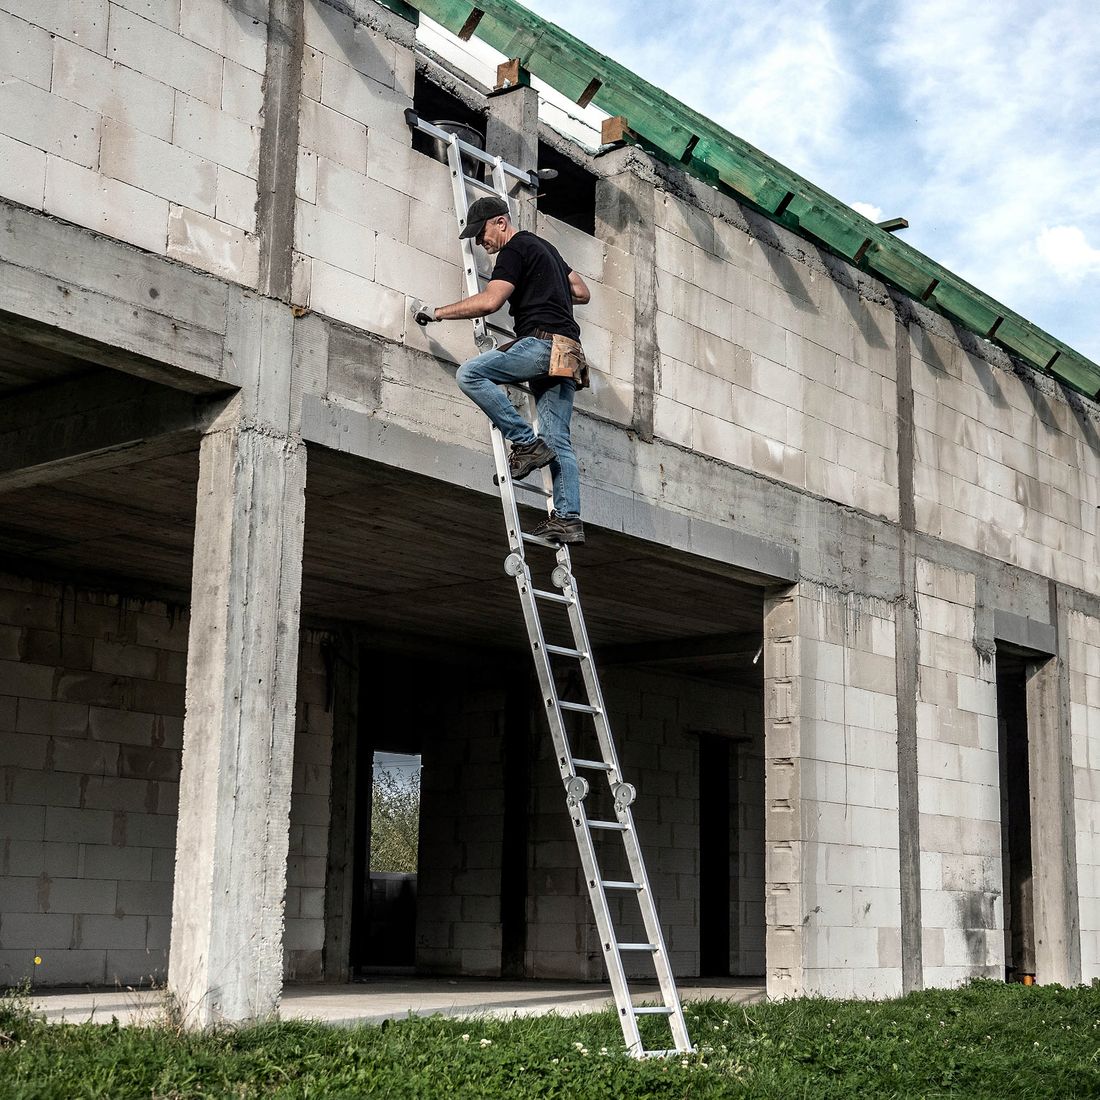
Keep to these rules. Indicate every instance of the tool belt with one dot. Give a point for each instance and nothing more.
(566, 357)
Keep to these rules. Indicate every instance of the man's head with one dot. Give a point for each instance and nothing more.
(488, 224)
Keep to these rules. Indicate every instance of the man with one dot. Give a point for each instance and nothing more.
(541, 289)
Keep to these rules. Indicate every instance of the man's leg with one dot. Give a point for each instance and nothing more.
(480, 378)
(555, 404)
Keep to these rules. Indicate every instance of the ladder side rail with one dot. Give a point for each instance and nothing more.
(469, 259)
(413, 120)
(616, 973)
(654, 932)
(634, 856)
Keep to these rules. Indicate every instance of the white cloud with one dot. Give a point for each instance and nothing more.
(1068, 252)
(868, 211)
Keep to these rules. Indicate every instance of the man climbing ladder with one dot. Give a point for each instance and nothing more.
(547, 356)
(541, 289)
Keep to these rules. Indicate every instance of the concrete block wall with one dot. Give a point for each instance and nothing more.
(91, 724)
(91, 727)
(607, 321)
(771, 366)
(141, 121)
(958, 785)
(834, 901)
(1036, 499)
(461, 832)
(1084, 696)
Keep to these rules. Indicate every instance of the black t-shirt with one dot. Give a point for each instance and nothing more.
(542, 299)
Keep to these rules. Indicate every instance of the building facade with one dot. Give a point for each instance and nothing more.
(842, 571)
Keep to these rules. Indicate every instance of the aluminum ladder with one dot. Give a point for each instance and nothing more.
(579, 653)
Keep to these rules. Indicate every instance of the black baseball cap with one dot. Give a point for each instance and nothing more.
(480, 212)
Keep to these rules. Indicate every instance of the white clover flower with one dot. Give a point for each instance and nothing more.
(486, 1042)
(465, 1038)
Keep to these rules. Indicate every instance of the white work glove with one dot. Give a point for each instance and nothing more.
(423, 315)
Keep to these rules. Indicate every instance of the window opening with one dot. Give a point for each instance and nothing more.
(445, 110)
(571, 195)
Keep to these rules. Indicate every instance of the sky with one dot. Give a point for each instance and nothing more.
(977, 120)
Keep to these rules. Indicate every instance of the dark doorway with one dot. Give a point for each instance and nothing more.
(718, 883)
(1016, 856)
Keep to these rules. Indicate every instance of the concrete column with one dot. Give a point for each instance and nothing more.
(513, 133)
(226, 957)
(342, 655)
(784, 953)
(907, 651)
(626, 218)
(1053, 836)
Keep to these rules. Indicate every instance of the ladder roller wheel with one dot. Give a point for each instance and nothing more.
(513, 565)
(576, 790)
(560, 576)
(624, 793)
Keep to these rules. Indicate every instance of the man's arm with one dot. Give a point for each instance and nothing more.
(477, 305)
(578, 289)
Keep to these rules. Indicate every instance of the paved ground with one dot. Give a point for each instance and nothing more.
(389, 998)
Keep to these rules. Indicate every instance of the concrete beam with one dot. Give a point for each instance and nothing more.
(714, 645)
(739, 553)
(71, 290)
(1025, 633)
(95, 422)
(226, 956)
(1053, 823)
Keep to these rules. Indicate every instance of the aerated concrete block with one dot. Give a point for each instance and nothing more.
(83, 21)
(242, 93)
(351, 298)
(326, 236)
(105, 205)
(377, 106)
(333, 135)
(203, 129)
(26, 51)
(159, 53)
(44, 121)
(114, 91)
(233, 30)
(212, 246)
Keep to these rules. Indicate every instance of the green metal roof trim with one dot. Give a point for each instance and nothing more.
(716, 156)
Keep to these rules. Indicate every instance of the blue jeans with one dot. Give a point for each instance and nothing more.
(528, 361)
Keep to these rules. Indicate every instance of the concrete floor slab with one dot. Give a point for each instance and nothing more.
(391, 999)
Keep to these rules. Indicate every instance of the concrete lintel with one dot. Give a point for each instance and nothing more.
(358, 433)
(75, 291)
(1041, 638)
(97, 421)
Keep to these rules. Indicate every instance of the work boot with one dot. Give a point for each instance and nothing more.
(526, 457)
(561, 529)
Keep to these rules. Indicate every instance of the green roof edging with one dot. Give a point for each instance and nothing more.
(716, 156)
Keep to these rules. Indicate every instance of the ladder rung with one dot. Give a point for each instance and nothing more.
(533, 487)
(480, 185)
(537, 540)
(611, 884)
(564, 651)
(636, 946)
(661, 1053)
(653, 1011)
(616, 826)
(580, 708)
(591, 765)
(553, 597)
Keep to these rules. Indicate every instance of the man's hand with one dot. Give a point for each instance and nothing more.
(423, 315)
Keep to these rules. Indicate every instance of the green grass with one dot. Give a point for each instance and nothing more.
(987, 1040)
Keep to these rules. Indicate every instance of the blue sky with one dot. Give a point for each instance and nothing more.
(978, 120)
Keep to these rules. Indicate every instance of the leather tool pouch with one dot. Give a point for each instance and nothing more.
(567, 360)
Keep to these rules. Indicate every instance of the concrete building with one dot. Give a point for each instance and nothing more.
(250, 538)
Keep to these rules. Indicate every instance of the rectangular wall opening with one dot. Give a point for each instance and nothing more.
(1016, 853)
